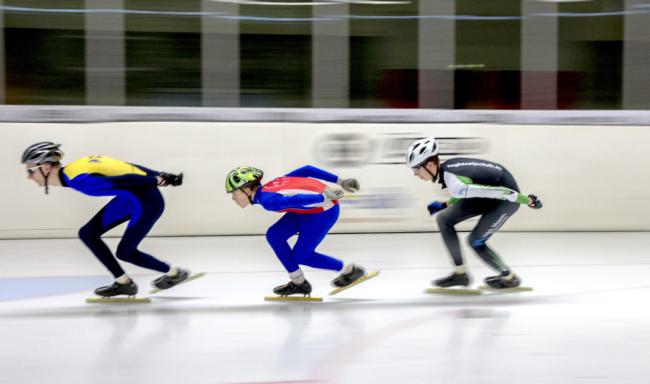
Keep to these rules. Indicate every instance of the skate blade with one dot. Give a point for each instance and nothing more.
(193, 277)
(292, 298)
(360, 280)
(505, 290)
(118, 300)
(454, 291)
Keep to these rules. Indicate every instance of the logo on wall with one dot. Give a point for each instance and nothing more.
(344, 149)
(355, 150)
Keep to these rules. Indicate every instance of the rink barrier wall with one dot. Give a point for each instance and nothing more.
(589, 177)
(96, 114)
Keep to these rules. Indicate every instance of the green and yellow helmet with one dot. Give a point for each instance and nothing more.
(241, 177)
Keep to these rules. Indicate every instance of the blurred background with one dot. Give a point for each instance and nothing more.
(452, 54)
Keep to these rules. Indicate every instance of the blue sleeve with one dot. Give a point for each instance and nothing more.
(313, 172)
(90, 183)
(127, 181)
(150, 172)
(278, 202)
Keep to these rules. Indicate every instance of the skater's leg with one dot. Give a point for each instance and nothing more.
(489, 223)
(277, 236)
(113, 214)
(148, 207)
(313, 229)
(448, 218)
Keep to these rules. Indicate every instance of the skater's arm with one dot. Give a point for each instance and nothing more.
(88, 183)
(131, 180)
(149, 172)
(462, 187)
(313, 172)
(278, 202)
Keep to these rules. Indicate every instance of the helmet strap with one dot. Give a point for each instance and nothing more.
(45, 177)
(433, 177)
(250, 196)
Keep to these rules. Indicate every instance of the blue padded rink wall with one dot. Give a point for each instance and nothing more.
(587, 320)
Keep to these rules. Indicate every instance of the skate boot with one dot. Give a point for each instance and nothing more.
(345, 279)
(292, 288)
(453, 280)
(503, 281)
(129, 289)
(166, 281)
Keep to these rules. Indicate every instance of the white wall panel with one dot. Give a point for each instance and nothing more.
(589, 177)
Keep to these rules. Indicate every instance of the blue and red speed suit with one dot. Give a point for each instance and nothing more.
(308, 213)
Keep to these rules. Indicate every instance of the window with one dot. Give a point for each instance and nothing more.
(275, 54)
(44, 52)
(163, 52)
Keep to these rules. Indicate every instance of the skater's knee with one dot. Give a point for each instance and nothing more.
(476, 241)
(443, 221)
(302, 254)
(276, 234)
(125, 253)
(87, 233)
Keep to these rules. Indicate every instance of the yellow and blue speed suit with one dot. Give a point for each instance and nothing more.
(137, 200)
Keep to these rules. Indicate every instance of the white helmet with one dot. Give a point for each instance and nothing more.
(421, 151)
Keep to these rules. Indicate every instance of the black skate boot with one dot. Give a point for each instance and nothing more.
(166, 281)
(453, 280)
(292, 288)
(129, 289)
(503, 281)
(345, 279)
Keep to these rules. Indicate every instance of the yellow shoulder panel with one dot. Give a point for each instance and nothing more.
(102, 165)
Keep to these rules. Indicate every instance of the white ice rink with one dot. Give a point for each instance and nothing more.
(587, 321)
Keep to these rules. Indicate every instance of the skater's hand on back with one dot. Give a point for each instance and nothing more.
(165, 179)
(333, 193)
(534, 202)
(350, 185)
(436, 207)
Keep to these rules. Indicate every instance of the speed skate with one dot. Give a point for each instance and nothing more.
(193, 277)
(454, 291)
(128, 299)
(293, 298)
(360, 280)
(487, 288)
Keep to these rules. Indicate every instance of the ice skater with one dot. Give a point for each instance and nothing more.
(136, 200)
(477, 188)
(310, 209)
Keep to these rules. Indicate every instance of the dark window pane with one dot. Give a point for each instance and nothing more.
(44, 52)
(383, 55)
(275, 53)
(163, 52)
(590, 55)
(488, 69)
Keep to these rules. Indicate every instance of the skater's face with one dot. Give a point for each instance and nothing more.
(240, 198)
(34, 172)
(422, 173)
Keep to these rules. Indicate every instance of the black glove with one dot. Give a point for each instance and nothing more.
(535, 203)
(171, 179)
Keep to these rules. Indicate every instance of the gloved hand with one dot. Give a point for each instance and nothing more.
(350, 185)
(534, 202)
(170, 179)
(436, 207)
(333, 193)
